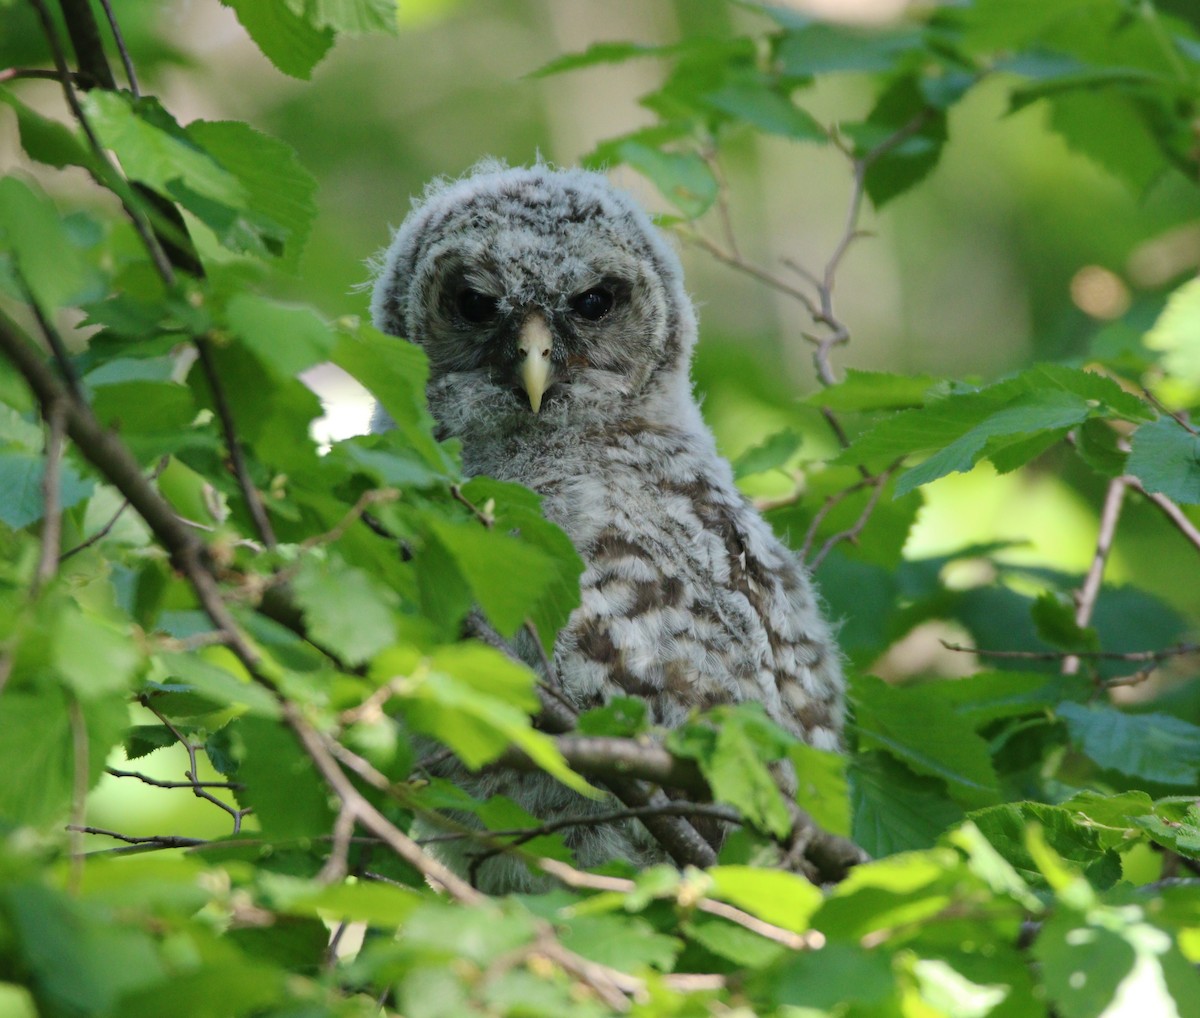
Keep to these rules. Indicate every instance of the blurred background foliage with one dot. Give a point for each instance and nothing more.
(1015, 249)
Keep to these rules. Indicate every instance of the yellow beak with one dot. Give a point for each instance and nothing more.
(535, 343)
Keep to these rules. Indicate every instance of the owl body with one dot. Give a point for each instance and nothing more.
(559, 337)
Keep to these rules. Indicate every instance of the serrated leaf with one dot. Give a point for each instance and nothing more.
(37, 751)
(286, 340)
(893, 809)
(875, 390)
(821, 787)
(1111, 131)
(1156, 747)
(345, 609)
(279, 780)
(770, 454)
(395, 372)
(1174, 333)
(917, 727)
(222, 687)
(22, 500)
(751, 100)
(278, 188)
(289, 40)
(1054, 619)
(507, 577)
(46, 260)
(48, 141)
(1069, 839)
(683, 178)
(622, 717)
(1165, 457)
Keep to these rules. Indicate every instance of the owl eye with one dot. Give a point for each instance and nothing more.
(592, 304)
(476, 307)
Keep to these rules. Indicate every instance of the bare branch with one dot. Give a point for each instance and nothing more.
(147, 780)
(572, 877)
(156, 840)
(1085, 601)
(1170, 510)
(1179, 650)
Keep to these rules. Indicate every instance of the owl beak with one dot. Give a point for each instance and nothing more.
(534, 344)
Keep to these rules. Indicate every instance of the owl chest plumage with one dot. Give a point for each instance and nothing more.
(687, 599)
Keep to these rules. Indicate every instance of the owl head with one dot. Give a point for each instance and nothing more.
(542, 297)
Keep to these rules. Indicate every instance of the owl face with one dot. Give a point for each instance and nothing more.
(540, 296)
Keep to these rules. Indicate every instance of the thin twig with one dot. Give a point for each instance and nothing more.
(79, 788)
(1170, 510)
(337, 865)
(147, 780)
(233, 445)
(120, 41)
(1085, 601)
(105, 530)
(156, 840)
(486, 518)
(572, 877)
(1179, 650)
(56, 422)
(876, 483)
(375, 496)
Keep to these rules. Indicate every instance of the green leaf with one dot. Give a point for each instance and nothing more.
(875, 390)
(904, 889)
(286, 340)
(1069, 838)
(893, 809)
(627, 943)
(94, 657)
(770, 454)
(48, 141)
(37, 752)
(1165, 457)
(917, 727)
(830, 979)
(1174, 825)
(683, 178)
(821, 786)
(279, 780)
(1054, 617)
(751, 100)
(142, 740)
(289, 40)
(518, 510)
(81, 960)
(814, 47)
(354, 16)
(1110, 130)
(1156, 747)
(278, 188)
(218, 684)
(733, 761)
(22, 500)
(602, 53)
(622, 717)
(507, 577)
(1174, 333)
(395, 372)
(346, 610)
(783, 899)
(153, 149)
(43, 256)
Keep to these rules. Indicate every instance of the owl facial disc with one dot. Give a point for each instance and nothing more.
(533, 368)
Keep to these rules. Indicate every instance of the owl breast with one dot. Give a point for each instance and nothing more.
(688, 600)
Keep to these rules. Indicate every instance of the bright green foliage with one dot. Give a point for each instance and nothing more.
(1020, 815)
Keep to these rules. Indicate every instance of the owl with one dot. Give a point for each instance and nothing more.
(559, 337)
